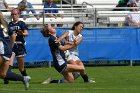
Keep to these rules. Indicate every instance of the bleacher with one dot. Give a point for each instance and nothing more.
(58, 20)
(38, 6)
(91, 12)
(15, 2)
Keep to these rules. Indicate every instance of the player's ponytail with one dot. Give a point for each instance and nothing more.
(3, 23)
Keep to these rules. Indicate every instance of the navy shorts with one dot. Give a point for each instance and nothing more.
(60, 68)
(19, 50)
(5, 50)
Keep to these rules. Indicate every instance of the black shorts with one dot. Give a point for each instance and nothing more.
(19, 50)
(60, 68)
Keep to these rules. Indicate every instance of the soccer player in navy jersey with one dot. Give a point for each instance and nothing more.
(5, 46)
(59, 58)
(20, 29)
(7, 38)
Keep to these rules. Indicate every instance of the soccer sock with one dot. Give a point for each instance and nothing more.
(24, 73)
(13, 76)
(57, 81)
(85, 77)
(76, 75)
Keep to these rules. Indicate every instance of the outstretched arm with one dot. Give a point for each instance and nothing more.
(76, 42)
(65, 47)
(62, 37)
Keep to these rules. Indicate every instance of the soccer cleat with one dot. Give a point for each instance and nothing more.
(47, 81)
(28, 77)
(91, 81)
(6, 81)
(26, 82)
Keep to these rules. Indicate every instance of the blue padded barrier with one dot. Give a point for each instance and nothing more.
(98, 44)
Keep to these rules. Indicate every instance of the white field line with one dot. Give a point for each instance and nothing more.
(40, 90)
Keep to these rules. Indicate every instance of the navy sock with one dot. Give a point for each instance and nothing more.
(24, 73)
(13, 76)
(57, 81)
(85, 77)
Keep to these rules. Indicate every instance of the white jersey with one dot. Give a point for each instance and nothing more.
(71, 37)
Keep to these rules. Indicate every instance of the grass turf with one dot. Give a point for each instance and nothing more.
(116, 79)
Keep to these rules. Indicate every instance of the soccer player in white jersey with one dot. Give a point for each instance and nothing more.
(73, 36)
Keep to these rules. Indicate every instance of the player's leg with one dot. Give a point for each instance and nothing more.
(6, 81)
(68, 77)
(12, 59)
(11, 75)
(5, 54)
(71, 60)
(20, 61)
(77, 68)
(20, 51)
(83, 74)
(3, 67)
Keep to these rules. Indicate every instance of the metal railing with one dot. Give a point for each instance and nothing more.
(80, 14)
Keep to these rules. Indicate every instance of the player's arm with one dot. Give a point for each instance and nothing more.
(24, 33)
(12, 36)
(24, 30)
(65, 47)
(76, 42)
(13, 39)
(62, 37)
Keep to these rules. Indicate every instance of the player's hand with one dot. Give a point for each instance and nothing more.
(20, 32)
(57, 40)
(70, 43)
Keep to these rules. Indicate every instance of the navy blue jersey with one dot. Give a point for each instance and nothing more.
(4, 37)
(20, 25)
(58, 55)
(4, 34)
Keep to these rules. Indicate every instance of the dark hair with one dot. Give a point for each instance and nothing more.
(76, 24)
(45, 31)
(133, 5)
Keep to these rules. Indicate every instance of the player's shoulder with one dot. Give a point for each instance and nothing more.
(70, 32)
(10, 23)
(80, 35)
(52, 38)
(21, 22)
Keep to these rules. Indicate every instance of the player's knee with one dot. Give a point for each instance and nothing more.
(71, 80)
(83, 68)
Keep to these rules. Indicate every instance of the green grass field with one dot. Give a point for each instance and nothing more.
(120, 79)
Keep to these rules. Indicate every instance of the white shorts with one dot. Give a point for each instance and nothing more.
(73, 57)
(1, 47)
(5, 51)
